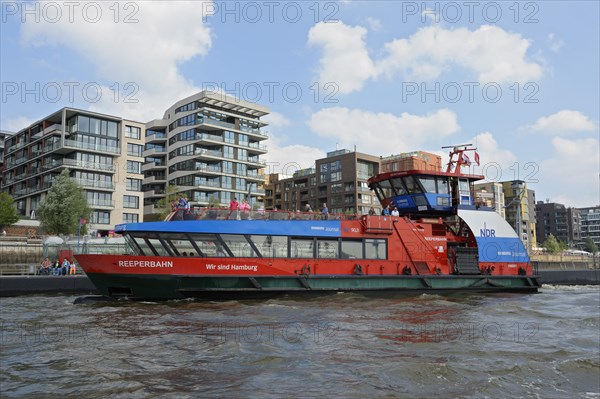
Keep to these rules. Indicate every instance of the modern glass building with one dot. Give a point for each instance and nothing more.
(209, 146)
(102, 152)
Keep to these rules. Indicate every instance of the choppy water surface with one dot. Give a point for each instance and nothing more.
(545, 345)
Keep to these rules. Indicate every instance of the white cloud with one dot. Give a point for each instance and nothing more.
(275, 119)
(574, 162)
(382, 133)
(374, 24)
(16, 124)
(495, 162)
(489, 52)
(345, 59)
(147, 53)
(555, 44)
(563, 122)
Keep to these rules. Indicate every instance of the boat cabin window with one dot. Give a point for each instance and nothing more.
(375, 249)
(253, 246)
(398, 186)
(411, 185)
(270, 246)
(239, 246)
(428, 184)
(352, 249)
(327, 249)
(442, 185)
(386, 188)
(301, 247)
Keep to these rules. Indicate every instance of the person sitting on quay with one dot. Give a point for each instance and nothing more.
(73, 268)
(45, 267)
(56, 268)
(65, 267)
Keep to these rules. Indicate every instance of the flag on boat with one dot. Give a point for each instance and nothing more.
(476, 158)
(466, 160)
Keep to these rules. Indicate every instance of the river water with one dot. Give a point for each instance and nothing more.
(544, 345)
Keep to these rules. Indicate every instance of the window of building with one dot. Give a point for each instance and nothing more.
(133, 184)
(134, 167)
(228, 152)
(100, 217)
(130, 218)
(131, 201)
(133, 132)
(135, 149)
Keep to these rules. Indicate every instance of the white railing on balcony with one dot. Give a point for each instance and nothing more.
(95, 183)
(101, 203)
(94, 147)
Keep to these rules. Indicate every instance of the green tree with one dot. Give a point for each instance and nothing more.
(590, 246)
(8, 213)
(164, 204)
(552, 245)
(64, 205)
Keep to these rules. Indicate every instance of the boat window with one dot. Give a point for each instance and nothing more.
(398, 185)
(464, 186)
(386, 188)
(352, 249)
(428, 184)
(327, 249)
(301, 247)
(131, 246)
(158, 247)
(209, 244)
(375, 249)
(179, 243)
(239, 246)
(442, 185)
(411, 185)
(271, 246)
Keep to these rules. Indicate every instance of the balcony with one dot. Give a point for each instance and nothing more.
(87, 183)
(52, 128)
(154, 151)
(52, 164)
(105, 204)
(52, 146)
(88, 165)
(20, 176)
(93, 147)
(210, 137)
(154, 179)
(152, 165)
(202, 119)
(211, 153)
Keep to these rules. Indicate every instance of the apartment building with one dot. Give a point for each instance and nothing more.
(102, 152)
(551, 218)
(520, 210)
(4, 135)
(590, 224)
(339, 180)
(491, 195)
(209, 146)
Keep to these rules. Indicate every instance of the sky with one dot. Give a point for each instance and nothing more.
(518, 80)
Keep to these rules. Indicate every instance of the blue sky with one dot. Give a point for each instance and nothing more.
(519, 80)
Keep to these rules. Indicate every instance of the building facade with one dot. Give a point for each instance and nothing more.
(102, 152)
(590, 224)
(551, 218)
(339, 180)
(209, 146)
(4, 135)
(491, 195)
(520, 210)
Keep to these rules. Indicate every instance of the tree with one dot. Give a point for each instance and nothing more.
(552, 245)
(164, 204)
(8, 213)
(590, 246)
(63, 206)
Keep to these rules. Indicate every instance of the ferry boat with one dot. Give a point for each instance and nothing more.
(442, 240)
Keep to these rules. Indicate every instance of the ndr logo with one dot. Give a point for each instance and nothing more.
(485, 232)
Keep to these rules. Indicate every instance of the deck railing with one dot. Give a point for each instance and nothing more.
(180, 214)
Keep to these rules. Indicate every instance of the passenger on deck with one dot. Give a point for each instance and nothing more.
(325, 211)
(245, 209)
(233, 208)
(307, 208)
(395, 212)
(372, 211)
(386, 211)
(45, 267)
